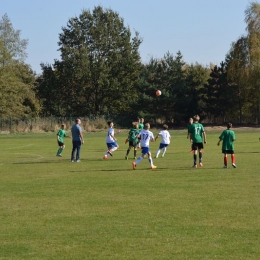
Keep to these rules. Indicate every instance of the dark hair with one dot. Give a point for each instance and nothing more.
(165, 127)
(229, 125)
(77, 120)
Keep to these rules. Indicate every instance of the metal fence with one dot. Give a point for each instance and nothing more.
(46, 124)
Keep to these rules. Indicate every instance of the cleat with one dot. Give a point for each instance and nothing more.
(105, 157)
(126, 157)
(135, 158)
(133, 165)
(162, 155)
(153, 167)
(109, 153)
(234, 166)
(225, 167)
(194, 166)
(72, 160)
(201, 165)
(155, 157)
(78, 161)
(59, 155)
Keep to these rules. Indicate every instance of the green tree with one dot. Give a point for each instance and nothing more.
(252, 19)
(14, 45)
(17, 80)
(100, 64)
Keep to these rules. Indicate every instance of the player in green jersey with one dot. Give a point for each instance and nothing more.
(228, 137)
(133, 140)
(198, 136)
(140, 127)
(60, 139)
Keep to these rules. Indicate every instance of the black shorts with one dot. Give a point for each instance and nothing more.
(60, 143)
(132, 144)
(228, 151)
(197, 146)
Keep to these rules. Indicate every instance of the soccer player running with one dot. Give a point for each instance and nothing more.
(228, 137)
(146, 136)
(166, 137)
(60, 139)
(111, 141)
(197, 135)
(133, 140)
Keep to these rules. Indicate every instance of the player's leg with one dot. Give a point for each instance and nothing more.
(233, 159)
(78, 148)
(150, 160)
(225, 159)
(73, 151)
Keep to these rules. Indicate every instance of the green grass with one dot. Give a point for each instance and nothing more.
(51, 208)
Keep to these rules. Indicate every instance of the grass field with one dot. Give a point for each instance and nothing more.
(51, 208)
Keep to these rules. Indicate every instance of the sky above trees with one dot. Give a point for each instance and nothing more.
(203, 32)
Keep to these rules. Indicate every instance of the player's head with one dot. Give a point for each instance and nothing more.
(229, 125)
(141, 120)
(63, 126)
(78, 121)
(110, 123)
(135, 124)
(190, 120)
(147, 126)
(196, 118)
(165, 127)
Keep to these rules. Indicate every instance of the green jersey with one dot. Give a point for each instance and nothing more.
(189, 128)
(132, 135)
(228, 137)
(61, 134)
(140, 126)
(196, 130)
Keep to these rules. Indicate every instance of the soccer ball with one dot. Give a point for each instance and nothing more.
(158, 93)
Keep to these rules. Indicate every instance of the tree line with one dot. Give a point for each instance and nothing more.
(100, 73)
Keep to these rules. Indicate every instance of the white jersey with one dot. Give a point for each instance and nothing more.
(146, 136)
(110, 132)
(165, 135)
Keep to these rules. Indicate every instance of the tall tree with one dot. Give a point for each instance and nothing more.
(17, 80)
(11, 40)
(252, 19)
(100, 64)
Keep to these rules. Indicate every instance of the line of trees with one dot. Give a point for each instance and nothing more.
(101, 74)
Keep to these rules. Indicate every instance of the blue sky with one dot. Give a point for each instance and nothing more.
(202, 30)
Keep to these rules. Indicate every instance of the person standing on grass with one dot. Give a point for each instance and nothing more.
(112, 145)
(166, 137)
(60, 139)
(228, 137)
(133, 140)
(77, 140)
(189, 129)
(197, 135)
(146, 136)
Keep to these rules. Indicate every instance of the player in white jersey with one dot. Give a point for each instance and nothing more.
(166, 139)
(110, 141)
(146, 136)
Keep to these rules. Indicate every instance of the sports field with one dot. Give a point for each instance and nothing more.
(51, 208)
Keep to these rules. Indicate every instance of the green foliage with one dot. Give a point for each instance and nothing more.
(99, 67)
(53, 209)
(17, 80)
